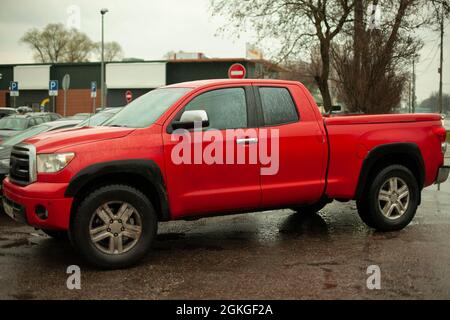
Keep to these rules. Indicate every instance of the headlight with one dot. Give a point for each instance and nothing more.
(50, 163)
(4, 163)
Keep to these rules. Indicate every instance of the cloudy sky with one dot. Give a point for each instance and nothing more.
(149, 28)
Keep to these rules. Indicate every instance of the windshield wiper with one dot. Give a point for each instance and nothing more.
(118, 125)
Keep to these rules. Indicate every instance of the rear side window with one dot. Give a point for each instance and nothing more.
(277, 106)
(39, 120)
(226, 108)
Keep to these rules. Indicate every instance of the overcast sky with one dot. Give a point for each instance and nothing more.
(149, 28)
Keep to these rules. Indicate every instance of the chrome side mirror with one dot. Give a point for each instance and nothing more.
(189, 118)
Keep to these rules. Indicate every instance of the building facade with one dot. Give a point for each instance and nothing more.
(138, 77)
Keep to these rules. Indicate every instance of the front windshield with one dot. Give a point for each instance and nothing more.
(145, 110)
(25, 135)
(96, 120)
(13, 124)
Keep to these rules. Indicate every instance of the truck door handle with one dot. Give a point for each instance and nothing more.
(247, 141)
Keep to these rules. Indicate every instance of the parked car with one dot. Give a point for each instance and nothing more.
(5, 112)
(99, 118)
(12, 125)
(80, 116)
(24, 109)
(48, 116)
(7, 145)
(109, 186)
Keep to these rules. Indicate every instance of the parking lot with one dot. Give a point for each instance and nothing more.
(267, 255)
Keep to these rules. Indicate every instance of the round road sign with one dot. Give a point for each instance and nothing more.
(237, 71)
(128, 96)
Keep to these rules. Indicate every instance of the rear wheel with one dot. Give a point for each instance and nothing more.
(114, 227)
(391, 201)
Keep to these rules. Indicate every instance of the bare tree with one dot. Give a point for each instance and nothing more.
(55, 43)
(48, 45)
(113, 51)
(298, 25)
(372, 69)
(79, 48)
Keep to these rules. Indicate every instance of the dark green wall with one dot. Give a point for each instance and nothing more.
(177, 72)
(7, 77)
(81, 75)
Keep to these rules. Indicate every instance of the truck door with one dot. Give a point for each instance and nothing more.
(214, 181)
(302, 153)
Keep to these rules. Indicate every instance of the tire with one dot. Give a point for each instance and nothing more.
(114, 243)
(56, 234)
(390, 202)
(311, 208)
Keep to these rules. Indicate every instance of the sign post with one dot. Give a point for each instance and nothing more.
(93, 94)
(53, 91)
(14, 91)
(237, 71)
(128, 96)
(65, 86)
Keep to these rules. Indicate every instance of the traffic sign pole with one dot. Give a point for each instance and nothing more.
(65, 85)
(14, 91)
(93, 95)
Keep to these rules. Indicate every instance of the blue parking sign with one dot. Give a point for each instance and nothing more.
(93, 89)
(53, 88)
(14, 88)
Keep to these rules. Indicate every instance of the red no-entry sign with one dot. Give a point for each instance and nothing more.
(128, 96)
(237, 71)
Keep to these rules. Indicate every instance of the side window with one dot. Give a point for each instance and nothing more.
(226, 108)
(39, 120)
(277, 106)
(31, 123)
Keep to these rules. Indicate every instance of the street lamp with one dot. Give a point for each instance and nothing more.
(103, 97)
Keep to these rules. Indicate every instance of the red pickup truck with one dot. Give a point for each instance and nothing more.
(214, 147)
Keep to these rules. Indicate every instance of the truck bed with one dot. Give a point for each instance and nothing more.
(380, 118)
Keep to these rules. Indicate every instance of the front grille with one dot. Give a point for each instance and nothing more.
(21, 165)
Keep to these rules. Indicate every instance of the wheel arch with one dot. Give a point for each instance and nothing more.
(145, 175)
(406, 154)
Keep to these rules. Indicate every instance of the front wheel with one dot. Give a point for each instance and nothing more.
(391, 202)
(114, 227)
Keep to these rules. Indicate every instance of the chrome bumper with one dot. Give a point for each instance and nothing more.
(443, 174)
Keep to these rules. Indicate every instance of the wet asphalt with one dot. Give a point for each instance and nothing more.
(268, 255)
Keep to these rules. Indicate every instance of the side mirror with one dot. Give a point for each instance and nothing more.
(189, 118)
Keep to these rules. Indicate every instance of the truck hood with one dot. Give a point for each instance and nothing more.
(54, 140)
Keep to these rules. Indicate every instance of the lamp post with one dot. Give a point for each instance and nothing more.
(103, 96)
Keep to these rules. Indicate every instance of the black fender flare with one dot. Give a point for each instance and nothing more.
(405, 148)
(145, 168)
